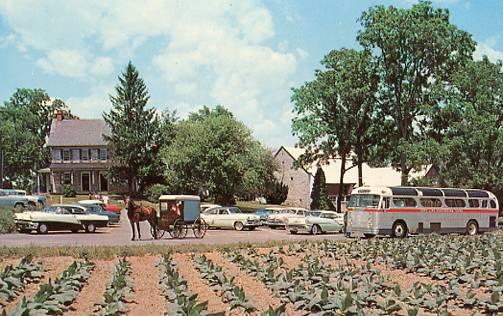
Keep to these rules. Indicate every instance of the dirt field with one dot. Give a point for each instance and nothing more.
(294, 279)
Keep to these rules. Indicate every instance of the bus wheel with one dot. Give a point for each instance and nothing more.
(399, 230)
(472, 228)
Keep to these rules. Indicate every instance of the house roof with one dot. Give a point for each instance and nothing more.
(386, 176)
(78, 133)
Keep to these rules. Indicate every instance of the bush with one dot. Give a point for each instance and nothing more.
(7, 224)
(277, 192)
(154, 191)
(69, 191)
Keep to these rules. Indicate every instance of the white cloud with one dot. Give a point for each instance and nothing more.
(486, 48)
(68, 63)
(94, 104)
(302, 53)
(218, 53)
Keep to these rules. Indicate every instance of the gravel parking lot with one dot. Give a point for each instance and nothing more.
(121, 235)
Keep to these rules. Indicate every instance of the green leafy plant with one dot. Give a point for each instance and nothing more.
(13, 279)
(118, 292)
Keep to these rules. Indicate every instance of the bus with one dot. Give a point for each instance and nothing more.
(399, 211)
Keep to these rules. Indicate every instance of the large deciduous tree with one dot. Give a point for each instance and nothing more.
(215, 152)
(336, 112)
(417, 50)
(25, 121)
(135, 131)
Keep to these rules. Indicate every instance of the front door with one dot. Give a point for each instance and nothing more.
(103, 182)
(85, 182)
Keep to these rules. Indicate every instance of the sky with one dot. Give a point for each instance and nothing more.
(243, 54)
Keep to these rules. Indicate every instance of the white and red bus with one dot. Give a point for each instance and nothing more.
(399, 211)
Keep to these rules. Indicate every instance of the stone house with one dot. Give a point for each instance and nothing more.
(79, 157)
(300, 180)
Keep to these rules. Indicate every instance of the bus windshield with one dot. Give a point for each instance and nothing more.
(364, 200)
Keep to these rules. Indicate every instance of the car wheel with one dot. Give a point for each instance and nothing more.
(18, 208)
(316, 230)
(42, 228)
(238, 226)
(90, 228)
(399, 230)
(472, 228)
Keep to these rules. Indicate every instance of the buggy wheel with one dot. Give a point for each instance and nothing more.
(200, 227)
(160, 233)
(179, 229)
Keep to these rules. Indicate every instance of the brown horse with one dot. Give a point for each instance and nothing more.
(139, 213)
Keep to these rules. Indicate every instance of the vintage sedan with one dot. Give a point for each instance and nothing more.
(15, 202)
(316, 222)
(279, 219)
(34, 201)
(113, 218)
(230, 217)
(107, 207)
(59, 217)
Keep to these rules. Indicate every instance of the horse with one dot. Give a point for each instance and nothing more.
(139, 213)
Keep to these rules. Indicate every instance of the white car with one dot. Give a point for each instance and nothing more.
(59, 217)
(204, 207)
(230, 217)
(317, 222)
(279, 219)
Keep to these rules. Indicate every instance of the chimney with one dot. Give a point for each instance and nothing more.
(59, 115)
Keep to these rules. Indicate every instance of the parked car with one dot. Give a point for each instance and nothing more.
(204, 207)
(278, 219)
(113, 218)
(34, 201)
(230, 217)
(107, 207)
(59, 217)
(316, 222)
(262, 213)
(16, 202)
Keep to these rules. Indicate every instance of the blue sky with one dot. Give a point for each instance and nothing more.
(245, 55)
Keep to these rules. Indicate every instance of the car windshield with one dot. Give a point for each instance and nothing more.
(315, 214)
(364, 200)
(234, 210)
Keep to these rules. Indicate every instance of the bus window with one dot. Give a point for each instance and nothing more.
(427, 202)
(493, 204)
(484, 203)
(364, 200)
(455, 203)
(404, 202)
(385, 202)
(473, 203)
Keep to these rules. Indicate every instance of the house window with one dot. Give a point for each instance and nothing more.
(67, 154)
(102, 153)
(67, 178)
(56, 154)
(85, 154)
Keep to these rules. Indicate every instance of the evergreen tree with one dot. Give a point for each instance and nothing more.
(134, 128)
(277, 192)
(319, 197)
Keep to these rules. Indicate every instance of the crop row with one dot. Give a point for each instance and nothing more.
(13, 279)
(179, 300)
(118, 291)
(55, 297)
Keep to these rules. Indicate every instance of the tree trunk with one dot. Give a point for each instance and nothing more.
(405, 172)
(360, 173)
(341, 184)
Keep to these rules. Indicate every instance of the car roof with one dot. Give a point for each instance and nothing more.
(68, 205)
(179, 197)
(90, 202)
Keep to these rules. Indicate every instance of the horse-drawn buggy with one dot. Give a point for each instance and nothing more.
(177, 214)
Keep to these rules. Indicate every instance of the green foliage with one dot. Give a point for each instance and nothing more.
(54, 298)
(417, 51)
(213, 151)
(69, 191)
(319, 197)
(25, 121)
(277, 192)
(135, 129)
(7, 224)
(154, 191)
(118, 292)
(13, 279)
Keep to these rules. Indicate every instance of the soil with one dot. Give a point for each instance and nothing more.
(9, 261)
(147, 293)
(196, 285)
(53, 267)
(92, 293)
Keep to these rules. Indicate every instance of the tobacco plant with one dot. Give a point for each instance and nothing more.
(118, 292)
(13, 279)
(53, 298)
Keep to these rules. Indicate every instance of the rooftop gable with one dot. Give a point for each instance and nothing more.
(78, 133)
